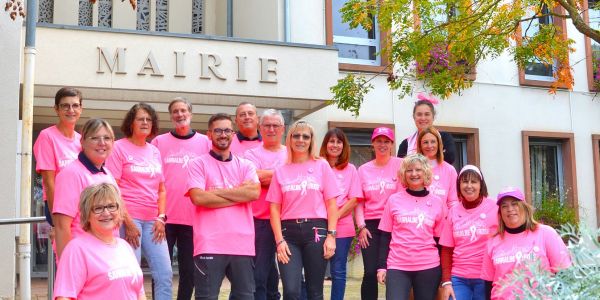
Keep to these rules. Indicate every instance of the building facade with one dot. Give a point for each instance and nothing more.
(287, 54)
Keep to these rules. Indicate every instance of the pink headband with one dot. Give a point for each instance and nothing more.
(472, 168)
(428, 97)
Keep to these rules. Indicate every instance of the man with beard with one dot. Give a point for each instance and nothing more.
(222, 187)
(178, 148)
(248, 136)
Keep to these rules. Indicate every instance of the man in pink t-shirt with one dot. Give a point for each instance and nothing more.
(178, 149)
(222, 186)
(266, 159)
(248, 136)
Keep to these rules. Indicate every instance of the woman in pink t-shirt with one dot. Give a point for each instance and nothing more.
(466, 231)
(443, 183)
(336, 149)
(98, 265)
(411, 224)
(58, 145)
(520, 241)
(304, 214)
(379, 180)
(137, 167)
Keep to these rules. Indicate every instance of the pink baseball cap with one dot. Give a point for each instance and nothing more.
(385, 131)
(510, 191)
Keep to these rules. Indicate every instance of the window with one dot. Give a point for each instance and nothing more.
(359, 138)
(466, 141)
(549, 167)
(596, 154)
(46, 11)
(592, 17)
(358, 49)
(85, 13)
(535, 72)
(197, 16)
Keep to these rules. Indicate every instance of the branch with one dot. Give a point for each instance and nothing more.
(578, 21)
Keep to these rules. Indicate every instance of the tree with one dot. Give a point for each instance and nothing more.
(439, 42)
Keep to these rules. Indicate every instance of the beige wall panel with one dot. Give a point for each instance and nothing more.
(307, 22)
(66, 12)
(180, 16)
(258, 19)
(123, 16)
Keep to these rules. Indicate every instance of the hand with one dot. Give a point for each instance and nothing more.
(381, 277)
(363, 237)
(329, 247)
(132, 235)
(447, 292)
(158, 231)
(283, 253)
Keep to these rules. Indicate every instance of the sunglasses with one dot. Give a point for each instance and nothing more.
(298, 136)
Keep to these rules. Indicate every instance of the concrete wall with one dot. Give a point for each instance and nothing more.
(10, 48)
(258, 19)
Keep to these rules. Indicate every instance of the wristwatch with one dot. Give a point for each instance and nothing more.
(163, 217)
(333, 233)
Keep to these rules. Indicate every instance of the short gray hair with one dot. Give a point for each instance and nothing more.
(271, 113)
(182, 100)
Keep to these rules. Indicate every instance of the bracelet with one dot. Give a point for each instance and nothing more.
(160, 220)
(361, 227)
(279, 243)
(445, 283)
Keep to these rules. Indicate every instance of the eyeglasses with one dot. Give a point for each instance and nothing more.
(222, 131)
(271, 126)
(298, 136)
(67, 106)
(142, 120)
(110, 208)
(99, 139)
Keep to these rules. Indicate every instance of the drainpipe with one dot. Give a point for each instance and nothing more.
(229, 18)
(24, 247)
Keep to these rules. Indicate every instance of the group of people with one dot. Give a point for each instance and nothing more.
(242, 205)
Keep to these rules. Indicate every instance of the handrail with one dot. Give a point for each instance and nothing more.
(22, 220)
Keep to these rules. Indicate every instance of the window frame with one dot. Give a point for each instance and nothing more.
(589, 56)
(343, 65)
(596, 158)
(541, 82)
(568, 161)
(472, 134)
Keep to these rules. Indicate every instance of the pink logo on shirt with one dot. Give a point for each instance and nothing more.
(149, 168)
(476, 228)
(306, 183)
(415, 217)
(516, 255)
(64, 161)
(121, 273)
(380, 184)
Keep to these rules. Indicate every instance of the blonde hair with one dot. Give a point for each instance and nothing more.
(411, 159)
(94, 194)
(93, 125)
(312, 149)
(530, 222)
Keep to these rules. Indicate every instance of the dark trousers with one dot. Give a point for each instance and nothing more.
(307, 253)
(210, 269)
(368, 287)
(424, 283)
(182, 236)
(266, 277)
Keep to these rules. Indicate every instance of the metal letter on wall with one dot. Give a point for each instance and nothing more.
(206, 65)
(179, 65)
(268, 70)
(118, 60)
(151, 65)
(241, 68)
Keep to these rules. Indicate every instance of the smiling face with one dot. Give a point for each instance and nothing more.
(429, 146)
(470, 187)
(382, 146)
(511, 212)
(423, 117)
(142, 124)
(98, 146)
(246, 118)
(301, 141)
(415, 176)
(221, 133)
(334, 147)
(68, 110)
(107, 220)
(271, 130)
(180, 115)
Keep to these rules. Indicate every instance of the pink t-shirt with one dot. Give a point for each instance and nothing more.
(502, 255)
(91, 269)
(227, 230)
(139, 172)
(239, 148)
(53, 151)
(70, 182)
(413, 222)
(378, 183)
(443, 182)
(177, 153)
(264, 159)
(302, 189)
(349, 183)
(468, 230)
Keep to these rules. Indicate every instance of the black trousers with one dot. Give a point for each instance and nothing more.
(368, 287)
(183, 237)
(210, 269)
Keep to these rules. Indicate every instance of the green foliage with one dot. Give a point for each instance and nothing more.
(554, 213)
(350, 92)
(579, 281)
(438, 43)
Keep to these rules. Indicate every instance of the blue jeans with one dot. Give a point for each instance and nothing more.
(157, 256)
(338, 267)
(468, 289)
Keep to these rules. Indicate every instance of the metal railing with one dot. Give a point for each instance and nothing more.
(31, 220)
